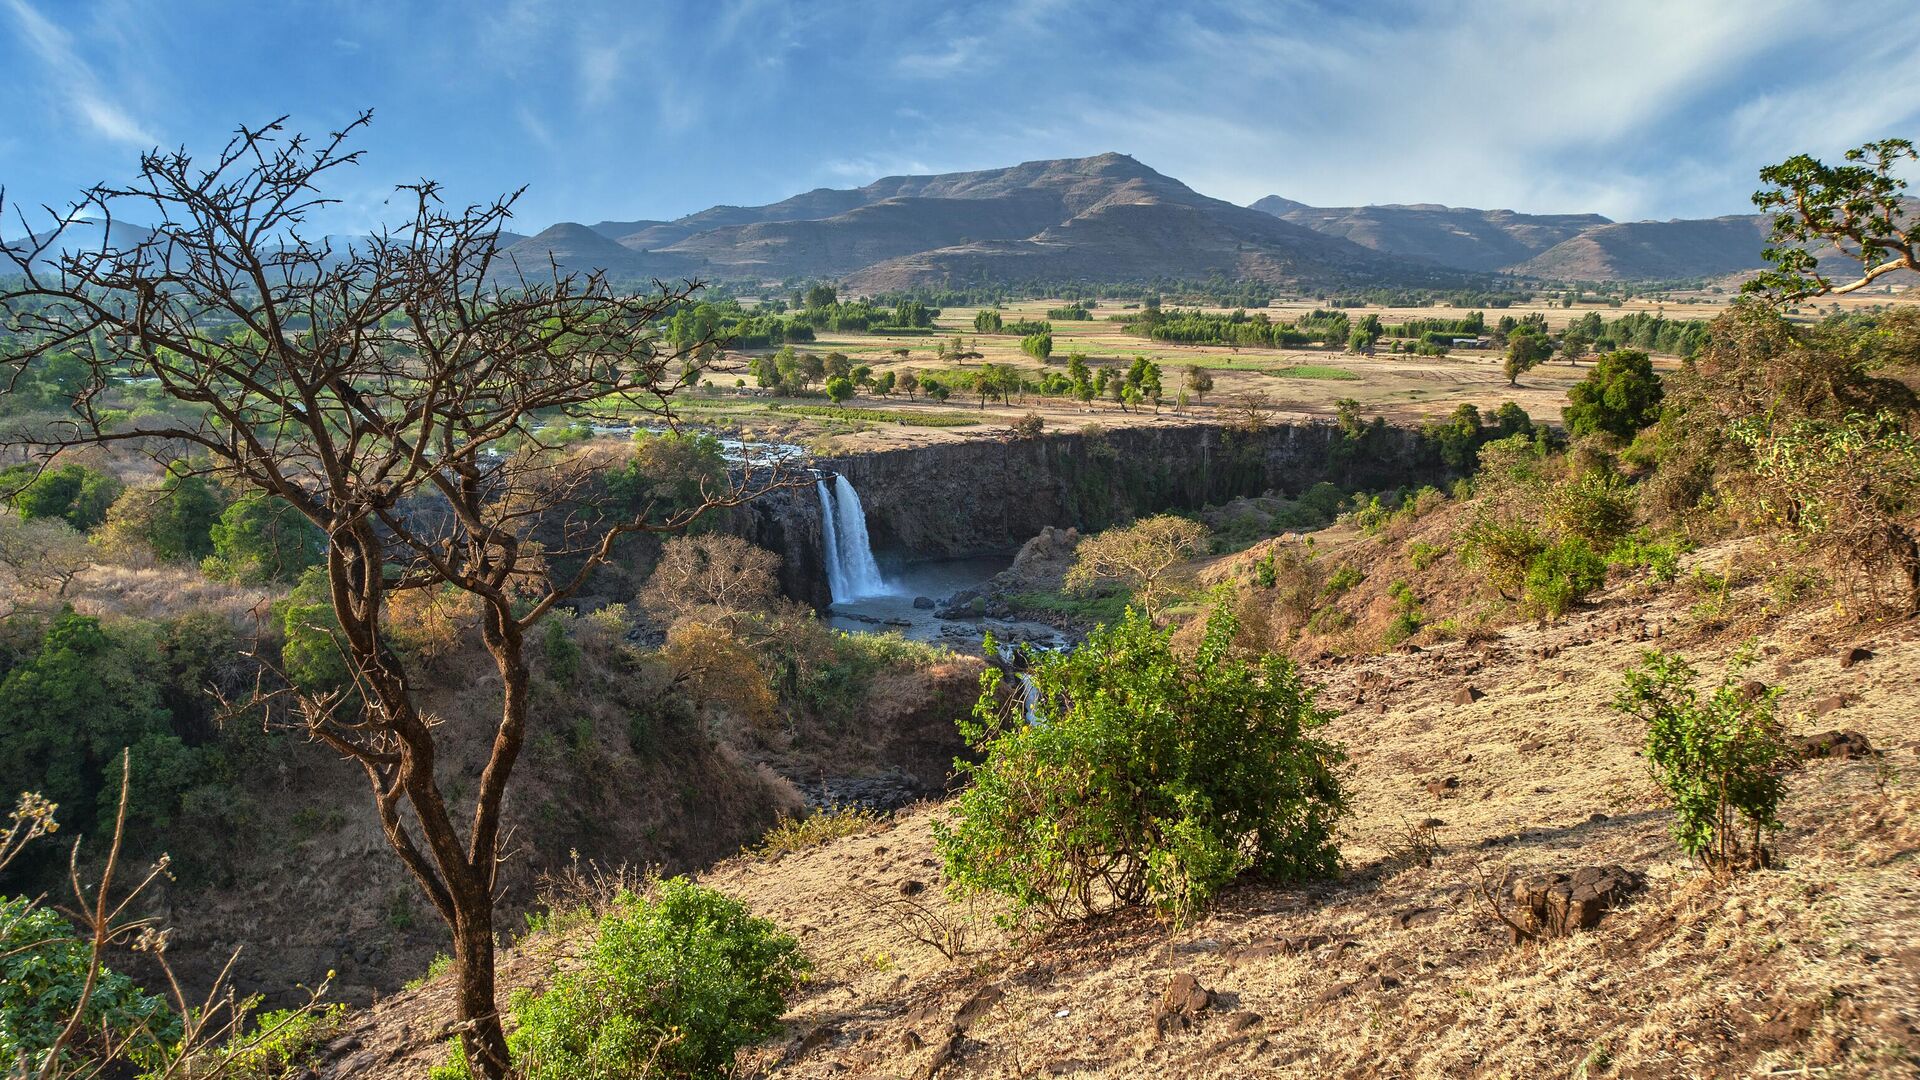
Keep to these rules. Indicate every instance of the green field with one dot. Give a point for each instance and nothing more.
(1315, 371)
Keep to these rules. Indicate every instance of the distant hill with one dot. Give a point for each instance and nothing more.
(1655, 250)
(1110, 218)
(1566, 247)
(1466, 239)
(575, 247)
(1103, 218)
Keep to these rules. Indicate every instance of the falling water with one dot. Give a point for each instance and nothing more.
(851, 570)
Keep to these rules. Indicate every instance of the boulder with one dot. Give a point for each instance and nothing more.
(1828, 704)
(1558, 904)
(1444, 788)
(1844, 745)
(1181, 1003)
(1854, 655)
(1468, 695)
(924, 603)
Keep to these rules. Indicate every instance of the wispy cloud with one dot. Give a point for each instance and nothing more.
(74, 80)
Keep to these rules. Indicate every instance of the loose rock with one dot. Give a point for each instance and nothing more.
(1844, 745)
(1180, 1004)
(1828, 704)
(1557, 904)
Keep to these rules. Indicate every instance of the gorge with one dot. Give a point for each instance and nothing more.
(980, 497)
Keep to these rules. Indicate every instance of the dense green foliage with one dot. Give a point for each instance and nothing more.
(75, 494)
(1143, 778)
(675, 983)
(260, 539)
(1240, 328)
(1619, 397)
(43, 968)
(1722, 757)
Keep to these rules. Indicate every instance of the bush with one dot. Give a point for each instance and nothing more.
(1504, 550)
(283, 1042)
(43, 967)
(1722, 759)
(1597, 507)
(73, 493)
(1619, 397)
(1144, 778)
(790, 834)
(260, 539)
(1660, 560)
(1344, 578)
(1563, 575)
(676, 982)
(1407, 616)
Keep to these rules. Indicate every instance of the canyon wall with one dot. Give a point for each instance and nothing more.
(987, 495)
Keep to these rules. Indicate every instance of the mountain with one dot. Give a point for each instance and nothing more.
(575, 247)
(1481, 240)
(75, 238)
(1655, 250)
(1103, 218)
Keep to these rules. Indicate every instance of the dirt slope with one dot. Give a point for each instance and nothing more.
(1398, 969)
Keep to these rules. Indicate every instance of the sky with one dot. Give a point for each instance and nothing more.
(657, 108)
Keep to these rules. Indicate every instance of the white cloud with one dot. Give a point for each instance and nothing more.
(74, 80)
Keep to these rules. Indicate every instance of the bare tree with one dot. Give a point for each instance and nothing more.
(39, 557)
(393, 392)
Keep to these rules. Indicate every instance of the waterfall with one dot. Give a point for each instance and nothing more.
(851, 571)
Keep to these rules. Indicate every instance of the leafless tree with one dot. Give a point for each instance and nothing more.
(392, 391)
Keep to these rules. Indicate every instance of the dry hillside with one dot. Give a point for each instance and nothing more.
(1399, 968)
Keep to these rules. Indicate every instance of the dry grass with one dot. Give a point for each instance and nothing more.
(166, 591)
(1397, 969)
(795, 833)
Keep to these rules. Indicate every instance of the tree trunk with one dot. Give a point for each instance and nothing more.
(482, 1036)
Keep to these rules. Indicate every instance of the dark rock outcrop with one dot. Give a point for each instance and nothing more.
(1558, 904)
(970, 498)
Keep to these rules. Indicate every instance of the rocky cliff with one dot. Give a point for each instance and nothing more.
(970, 498)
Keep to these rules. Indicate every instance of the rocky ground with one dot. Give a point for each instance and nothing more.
(1506, 754)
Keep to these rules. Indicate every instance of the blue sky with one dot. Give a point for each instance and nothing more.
(1633, 108)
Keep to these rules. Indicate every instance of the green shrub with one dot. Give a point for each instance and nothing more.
(1721, 758)
(282, 1041)
(83, 693)
(1660, 560)
(791, 833)
(1407, 616)
(261, 538)
(676, 982)
(1597, 507)
(1563, 575)
(1144, 778)
(561, 651)
(73, 493)
(1422, 554)
(1505, 550)
(1619, 396)
(1344, 579)
(43, 967)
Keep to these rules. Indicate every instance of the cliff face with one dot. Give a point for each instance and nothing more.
(787, 523)
(972, 498)
(968, 498)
